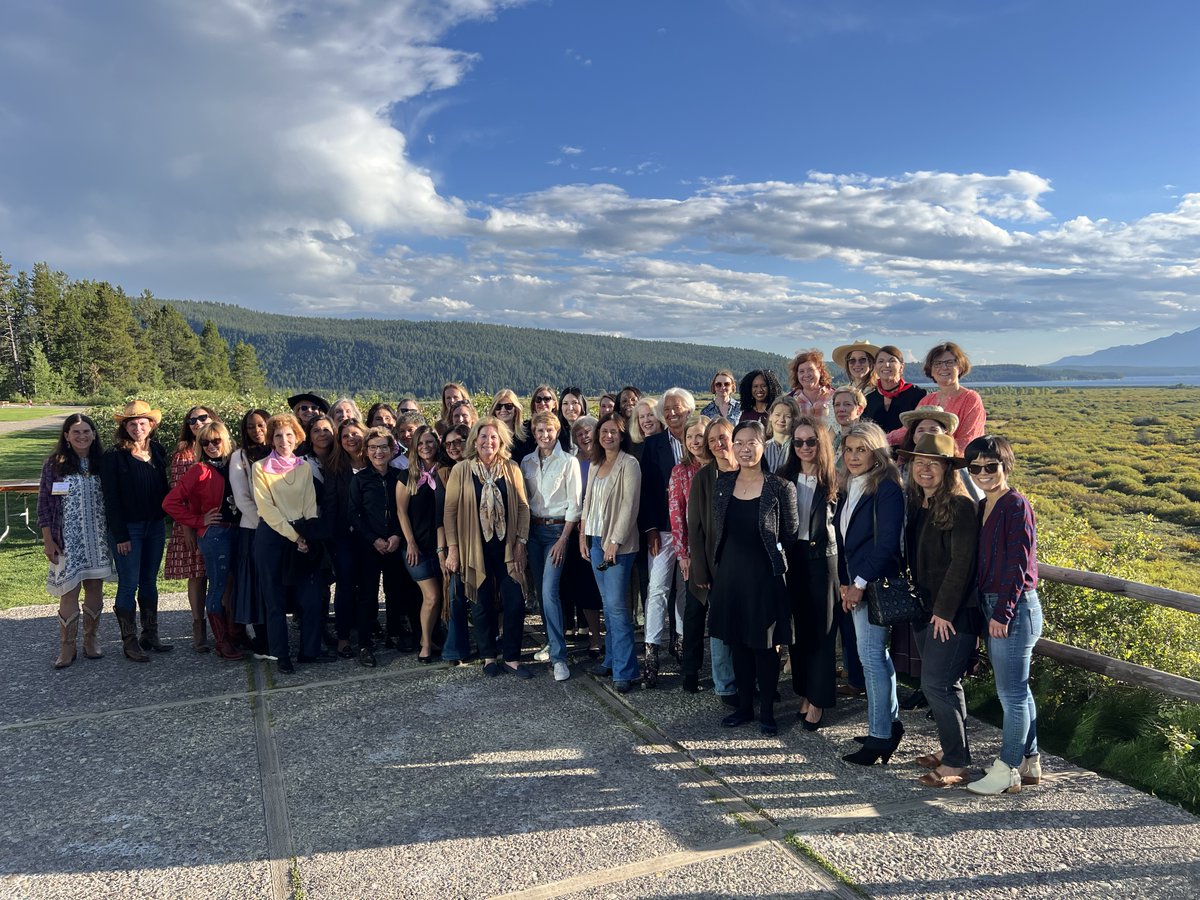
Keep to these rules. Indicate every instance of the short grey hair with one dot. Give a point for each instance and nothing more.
(686, 396)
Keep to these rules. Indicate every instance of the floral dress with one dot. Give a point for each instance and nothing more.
(83, 538)
(181, 562)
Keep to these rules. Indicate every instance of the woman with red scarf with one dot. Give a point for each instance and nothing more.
(892, 395)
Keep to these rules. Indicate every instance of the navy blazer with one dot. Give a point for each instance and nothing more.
(658, 459)
(860, 554)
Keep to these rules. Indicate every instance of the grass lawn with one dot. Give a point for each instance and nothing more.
(23, 452)
(25, 413)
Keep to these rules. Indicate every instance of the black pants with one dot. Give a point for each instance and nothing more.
(484, 614)
(401, 597)
(761, 665)
(374, 566)
(349, 562)
(814, 653)
(695, 615)
(273, 554)
(943, 664)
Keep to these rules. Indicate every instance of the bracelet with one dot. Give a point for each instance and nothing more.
(442, 550)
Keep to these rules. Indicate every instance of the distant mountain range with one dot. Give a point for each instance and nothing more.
(1178, 352)
(392, 356)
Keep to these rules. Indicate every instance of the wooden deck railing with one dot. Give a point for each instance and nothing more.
(1131, 673)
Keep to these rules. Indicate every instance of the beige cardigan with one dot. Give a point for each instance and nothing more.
(461, 522)
(620, 510)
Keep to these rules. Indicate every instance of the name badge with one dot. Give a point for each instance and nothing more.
(60, 488)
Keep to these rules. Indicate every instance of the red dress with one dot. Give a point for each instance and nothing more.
(181, 562)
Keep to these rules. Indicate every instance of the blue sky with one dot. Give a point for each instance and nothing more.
(1021, 177)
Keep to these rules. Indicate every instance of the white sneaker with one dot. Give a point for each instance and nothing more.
(1000, 779)
(543, 655)
(561, 671)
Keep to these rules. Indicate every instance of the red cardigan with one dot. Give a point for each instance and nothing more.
(199, 490)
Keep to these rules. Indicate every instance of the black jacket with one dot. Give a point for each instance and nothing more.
(373, 504)
(777, 520)
(123, 505)
(657, 461)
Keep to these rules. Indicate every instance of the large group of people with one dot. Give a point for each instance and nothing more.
(766, 526)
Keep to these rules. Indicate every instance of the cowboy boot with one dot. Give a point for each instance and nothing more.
(149, 640)
(129, 638)
(68, 632)
(199, 635)
(220, 630)
(91, 634)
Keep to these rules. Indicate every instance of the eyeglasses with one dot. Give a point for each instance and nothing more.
(944, 363)
(508, 407)
(196, 420)
(543, 399)
(211, 442)
(984, 468)
(449, 444)
(805, 442)
(378, 448)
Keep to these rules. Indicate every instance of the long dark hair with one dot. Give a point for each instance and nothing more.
(745, 389)
(444, 459)
(598, 454)
(186, 438)
(941, 502)
(826, 470)
(64, 460)
(254, 452)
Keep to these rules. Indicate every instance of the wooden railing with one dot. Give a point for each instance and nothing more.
(1131, 673)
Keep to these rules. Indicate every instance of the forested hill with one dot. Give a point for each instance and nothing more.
(390, 355)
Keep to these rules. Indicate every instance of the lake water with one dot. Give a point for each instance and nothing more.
(1129, 381)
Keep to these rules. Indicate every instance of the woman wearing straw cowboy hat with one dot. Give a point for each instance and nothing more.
(133, 476)
(941, 537)
(857, 360)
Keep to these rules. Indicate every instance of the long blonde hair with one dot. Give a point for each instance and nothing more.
(517, 432)
(876, 441)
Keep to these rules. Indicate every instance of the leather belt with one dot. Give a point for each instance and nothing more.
(536, 521)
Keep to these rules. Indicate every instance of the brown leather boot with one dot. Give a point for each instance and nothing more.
(199, 636)
(225, 648)
(150, 639)
(68, 632)
(129, 638)
(91, 634)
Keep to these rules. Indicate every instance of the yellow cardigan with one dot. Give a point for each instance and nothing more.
(283, 499)
(461, 522)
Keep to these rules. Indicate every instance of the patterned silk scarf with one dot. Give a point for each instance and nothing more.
(492, 515)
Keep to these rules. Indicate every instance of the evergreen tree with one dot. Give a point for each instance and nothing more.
(45, 383)
(12, 375)
(59, 308)
(175, 346)
(247, 372)
(214, 362)
(110, 350)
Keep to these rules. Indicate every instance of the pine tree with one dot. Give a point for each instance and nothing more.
(247, 372)
(12, 374)
(214, 363)
(175, 346)
(111, 355)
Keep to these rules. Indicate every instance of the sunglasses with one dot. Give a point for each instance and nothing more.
(211, 442)
(543, 399)
(984, 468)
(505, 406)
(805, 442)
(196, 420)
(307, 407)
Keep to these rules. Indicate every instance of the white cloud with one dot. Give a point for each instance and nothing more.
(243, 151)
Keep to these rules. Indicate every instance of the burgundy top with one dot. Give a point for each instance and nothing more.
(1008, 554)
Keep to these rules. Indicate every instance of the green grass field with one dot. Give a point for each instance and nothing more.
(25, 413)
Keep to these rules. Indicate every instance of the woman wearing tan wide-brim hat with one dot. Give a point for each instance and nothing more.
(133, 476)
(857, 360)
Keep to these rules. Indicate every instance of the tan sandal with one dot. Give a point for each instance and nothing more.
(929, 761)
(934, 780)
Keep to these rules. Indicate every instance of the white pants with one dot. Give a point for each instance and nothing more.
(664, 569)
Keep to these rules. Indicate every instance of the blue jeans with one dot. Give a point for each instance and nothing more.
(137, 571)
(880, 675)
(724, 682)
(216, 546)
(1010, 662)
(458, 633)
(619, 652)
(544, 577)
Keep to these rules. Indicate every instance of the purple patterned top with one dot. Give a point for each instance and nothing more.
(1008, 554)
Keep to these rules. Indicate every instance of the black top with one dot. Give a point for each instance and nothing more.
(133, 490)
(230, 514)
(749, 604)
(425, 510)
(373, 504)
(494, 551)
(889, 419)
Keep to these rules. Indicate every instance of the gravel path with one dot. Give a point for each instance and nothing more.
(194, 777)
(53, 420)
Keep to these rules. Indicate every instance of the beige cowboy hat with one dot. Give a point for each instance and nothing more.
(948, 419)
(139, 409)
(840, 353)
(936, 446)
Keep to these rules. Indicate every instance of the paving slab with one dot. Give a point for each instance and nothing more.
(162, 804)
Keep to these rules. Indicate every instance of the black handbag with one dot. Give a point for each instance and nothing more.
(895, 600)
